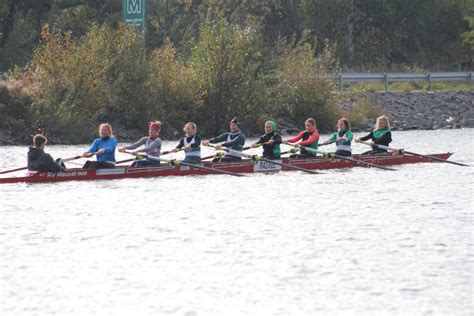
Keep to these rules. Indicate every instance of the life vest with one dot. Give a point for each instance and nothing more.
(343, 145)
(195, 151)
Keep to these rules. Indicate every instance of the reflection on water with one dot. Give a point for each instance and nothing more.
(357, 241)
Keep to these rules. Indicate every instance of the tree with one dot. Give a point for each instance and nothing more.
(226, 65)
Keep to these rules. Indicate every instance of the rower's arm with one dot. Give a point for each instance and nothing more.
(218, 139)
(310, 140)
(366, 137)
(239, 141)
(140, 142)
(154, 145)
(296, 138)
(94, 147)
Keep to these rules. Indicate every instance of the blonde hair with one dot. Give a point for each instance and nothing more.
(109, 128)
(382, 118)
(192, 124)
(311, 121)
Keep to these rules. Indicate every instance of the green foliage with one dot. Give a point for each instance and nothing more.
(306, 87)
(101, 77)
(468, 37)
(74, 65)
(361, 111)
(226, 66)
(171, 88)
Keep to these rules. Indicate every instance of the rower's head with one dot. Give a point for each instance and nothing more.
(105, 130)
(270, 126)
(343, 124)
(382, 122)
(190, 129)
(234, 125)
(154, 128)
(310, 124)
(39, 140)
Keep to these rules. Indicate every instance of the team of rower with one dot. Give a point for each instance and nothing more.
(232, 142)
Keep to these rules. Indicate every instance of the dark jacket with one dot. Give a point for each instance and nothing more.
(271, 151)
(38, 160)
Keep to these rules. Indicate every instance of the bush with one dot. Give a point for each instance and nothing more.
(362, 112)
(306, 85)
(227, 68)
(172, 90)
(100, 77)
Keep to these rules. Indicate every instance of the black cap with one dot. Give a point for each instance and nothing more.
(235, 121)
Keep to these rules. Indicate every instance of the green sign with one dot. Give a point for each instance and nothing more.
(134, 12)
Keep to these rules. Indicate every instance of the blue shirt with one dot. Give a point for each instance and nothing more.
(109, 147)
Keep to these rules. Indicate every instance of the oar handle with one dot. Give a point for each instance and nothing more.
(72, 158)
(399, 151)
(177, 163)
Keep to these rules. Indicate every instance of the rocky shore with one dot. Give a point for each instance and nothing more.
(418, 110)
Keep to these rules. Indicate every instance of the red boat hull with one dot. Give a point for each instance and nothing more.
(246, 166)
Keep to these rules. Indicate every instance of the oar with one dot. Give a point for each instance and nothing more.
(175, 162)
(333, 156)
(216, 155)
(258, 158)
(125, 160)
(403, 152)
(23, 168)
(322, 144)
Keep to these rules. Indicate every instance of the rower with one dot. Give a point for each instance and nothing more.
(104, 149)
(38, 160)
(343, 138)
(151, 146)
(191, 144)
(307, 138)
(380, 135)
(271, 141)
(234, 140)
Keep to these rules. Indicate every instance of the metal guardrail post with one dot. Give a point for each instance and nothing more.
(341, 83)
(429, 81)
(385, 81)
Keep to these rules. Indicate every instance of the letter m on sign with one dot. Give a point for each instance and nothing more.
(134, 7)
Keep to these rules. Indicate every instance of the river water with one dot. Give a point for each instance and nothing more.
(353, 242)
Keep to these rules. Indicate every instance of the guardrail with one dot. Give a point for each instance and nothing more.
(388, 77)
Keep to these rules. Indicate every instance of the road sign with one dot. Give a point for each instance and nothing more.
(134, 12)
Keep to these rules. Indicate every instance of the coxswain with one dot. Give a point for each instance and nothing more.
(104, 149)
(38, 160)
(271, 141)
(343, 138)
(307, 138)
(380, 136)
(151, 146)
(233, 140)
(191, 143)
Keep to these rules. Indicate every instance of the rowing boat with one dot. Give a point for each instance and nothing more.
(245, 166)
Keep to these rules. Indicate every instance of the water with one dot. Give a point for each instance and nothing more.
(354, 242)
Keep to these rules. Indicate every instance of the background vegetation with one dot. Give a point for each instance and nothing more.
(71, 64)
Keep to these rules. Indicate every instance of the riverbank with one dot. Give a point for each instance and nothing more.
(417, 110)
(407, 111)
